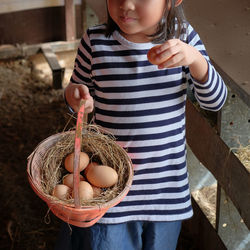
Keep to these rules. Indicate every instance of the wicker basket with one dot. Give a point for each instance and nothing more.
(84, 216)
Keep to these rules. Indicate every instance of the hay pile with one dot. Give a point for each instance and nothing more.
(243, 153)
(206, 198)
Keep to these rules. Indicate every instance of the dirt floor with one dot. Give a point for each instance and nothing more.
(30, 111)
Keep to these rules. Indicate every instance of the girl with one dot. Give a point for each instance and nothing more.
(143, 105)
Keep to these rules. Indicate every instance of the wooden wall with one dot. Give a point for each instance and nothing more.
(7, 6)
(33, 26)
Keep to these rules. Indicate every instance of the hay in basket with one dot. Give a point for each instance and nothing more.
(45, 170)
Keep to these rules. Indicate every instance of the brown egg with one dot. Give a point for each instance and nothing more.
(100, 175)
(153, 57)
(69, 162)
(62, 192)
(68, 180)
(85, 191)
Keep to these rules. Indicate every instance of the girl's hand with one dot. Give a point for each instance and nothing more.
(74, 93)
(175, 53)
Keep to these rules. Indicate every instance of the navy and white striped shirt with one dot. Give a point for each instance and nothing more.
(144, 108)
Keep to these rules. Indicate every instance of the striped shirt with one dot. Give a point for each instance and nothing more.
(144, 108)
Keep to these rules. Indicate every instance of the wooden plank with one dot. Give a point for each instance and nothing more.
(37, 26)
(70, 20)
(21, 51)
(217, 157)
(51, 57)
(57, 70)
(218, 207)
(7, 6)
(84, 15)
(33, 26)
(199, 232)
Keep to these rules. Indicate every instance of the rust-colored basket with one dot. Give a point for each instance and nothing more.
(83, 215)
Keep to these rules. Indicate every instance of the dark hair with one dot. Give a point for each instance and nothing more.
(167, 28)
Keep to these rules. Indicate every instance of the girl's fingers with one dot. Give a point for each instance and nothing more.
(76, 93)
(173, 57)
(81, 91)
(167, 45)
(168, 53)
(174, 61)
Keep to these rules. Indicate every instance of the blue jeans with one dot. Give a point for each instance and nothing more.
(136, 235)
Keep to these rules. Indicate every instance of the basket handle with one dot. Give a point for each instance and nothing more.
(77, 149)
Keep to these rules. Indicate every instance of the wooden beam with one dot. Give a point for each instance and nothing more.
(51, 57)
(21, 51)
(84, 15)
(217, 157)
(70, 20)
(57, 70)
(199, 232)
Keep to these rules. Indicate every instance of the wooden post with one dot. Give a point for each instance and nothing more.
(70, 20)
(199, 232)
(57, 70)
(218, 191)
(218, 158)
(84, 16)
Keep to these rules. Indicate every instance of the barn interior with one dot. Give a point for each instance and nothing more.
(38, 44)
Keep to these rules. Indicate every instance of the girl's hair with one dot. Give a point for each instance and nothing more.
(170, 26)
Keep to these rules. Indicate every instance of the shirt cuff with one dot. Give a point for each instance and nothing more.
(209, 75)
(68, 106)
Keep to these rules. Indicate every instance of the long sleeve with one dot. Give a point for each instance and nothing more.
(212, 94)
(82, 67)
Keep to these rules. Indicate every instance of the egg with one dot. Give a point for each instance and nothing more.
(62, 192)
(100, 175)
(154, 58)
(85, 191)
(68, 180)
(69, 161)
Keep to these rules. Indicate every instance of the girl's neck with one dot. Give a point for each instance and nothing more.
(136, 38)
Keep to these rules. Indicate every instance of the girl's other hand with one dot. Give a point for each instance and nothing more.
(74, 93)
(175, 53)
